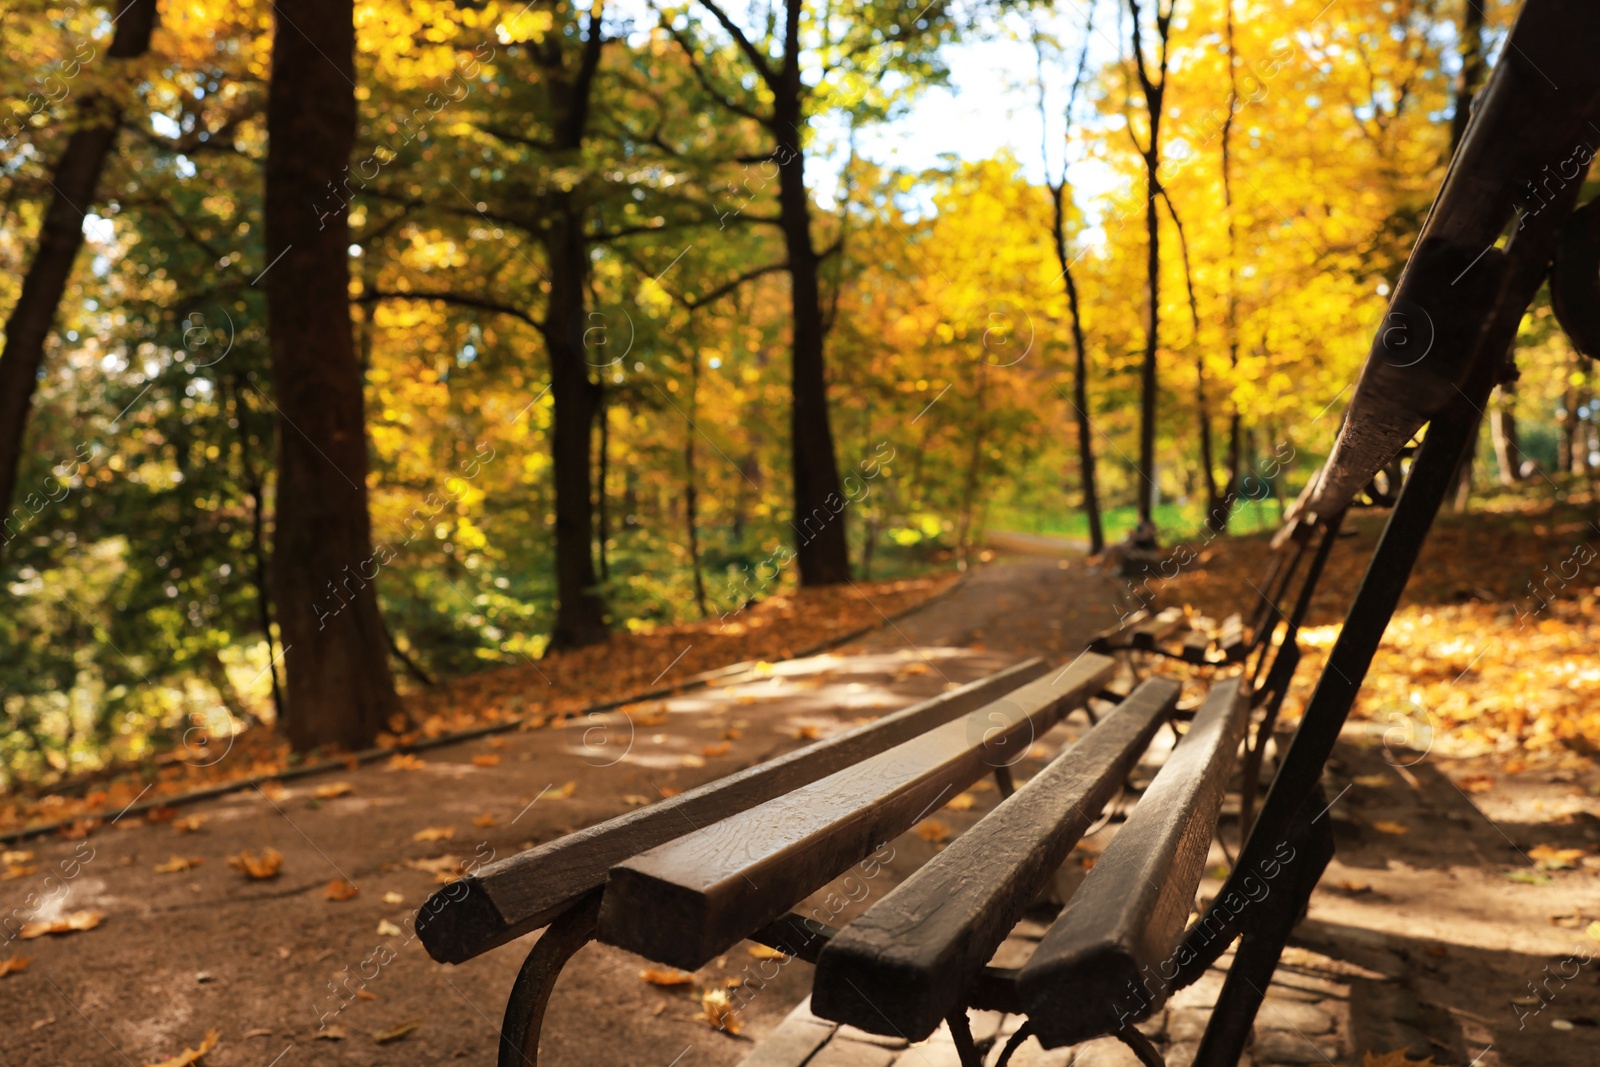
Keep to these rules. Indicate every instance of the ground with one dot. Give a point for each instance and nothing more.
(1437, 927)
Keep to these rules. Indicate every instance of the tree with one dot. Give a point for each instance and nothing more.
(799, 64)
(77, 173)
(1059, 203)
(340, 691)
(1154, 92)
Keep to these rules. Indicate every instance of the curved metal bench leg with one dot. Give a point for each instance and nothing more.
(519, 1034)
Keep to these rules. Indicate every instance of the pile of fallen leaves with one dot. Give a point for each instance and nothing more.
(1491, 650)
(534, 693)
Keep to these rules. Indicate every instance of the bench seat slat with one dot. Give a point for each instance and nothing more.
(687, 901)
(1107, 958)
(916, 949)
(519, 894)
(1150, 632)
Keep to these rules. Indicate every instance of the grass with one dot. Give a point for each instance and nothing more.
(1176, 521)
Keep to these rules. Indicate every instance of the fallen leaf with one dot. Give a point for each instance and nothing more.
(1355, 889)
(1476, 783)
(962, 802)
(1397, 1058)
(932, 831)
(435, 833)
(258, 868)
(486, 820)
(691, 760)
(405, 761)
(388, 929)
(808, 733)
(486, 759)
(395, 1033)
(18, 870)
(67, 924)
(13, 964)
(178, 863)
(1593, 930)
(635, 800)
(563, 792)
(192, 1055)
(258, 1032)
(78, 830)
(1549, 858)
(392, 897)
(1529, 877)
(668, 791)
(719, 1013)
(732, 733)
(1389, 826)
(719, 749)
(766, 952)
(333, 789)
(433, 866)
(11, 856)
(273, 791)
(666, 977)
(366, 994)
(339, 889)
(189, 825)
(331, 1032)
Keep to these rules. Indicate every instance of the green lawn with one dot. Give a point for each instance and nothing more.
(1176, 521)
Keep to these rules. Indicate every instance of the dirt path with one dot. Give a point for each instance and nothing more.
(1426, 936)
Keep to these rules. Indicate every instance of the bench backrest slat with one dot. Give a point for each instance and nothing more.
(1104, 960)
(519, 894)
(918, 948)
(687, 901)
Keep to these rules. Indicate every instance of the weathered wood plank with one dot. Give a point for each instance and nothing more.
(1148, 633)
(906, 964)
(1230, 637)
(1117, 637)
(1461, 296)
(1197, 642)
(685, 902)
(1107, 958)
(511, 897)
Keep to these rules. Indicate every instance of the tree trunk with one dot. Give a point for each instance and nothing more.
(580, 609)
(602, 510)
(1503, 424)
(819, 521)
(1152, 330)
(1080, 376)
(61, 235)
(691, 486)
(1218, 517)
(339, 690)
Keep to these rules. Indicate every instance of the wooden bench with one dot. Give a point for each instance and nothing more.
(684, 880)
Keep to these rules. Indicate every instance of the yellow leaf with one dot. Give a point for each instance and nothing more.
(258, 868)
(192, 1055)
(962, 802)
(10, 856)
(13, 964)
(764, 952)
(486, 759)
(17, 870)
(395, 1033)
(178, 863)
(718, 749)
(485, 820)
(67, 924)
(808, 733)
(405, 761)
(434, 833)
(331, 1032)
(393, 898)
(1593, 930)
(1548, 858)
(438, 863)
(665, 977)
(932, 831)
(1389, 826)
(333, 789)
(1397, 1058)
(388, 929)
(189, 825)
(339, 889)
(719, 1013)
(563, 792)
